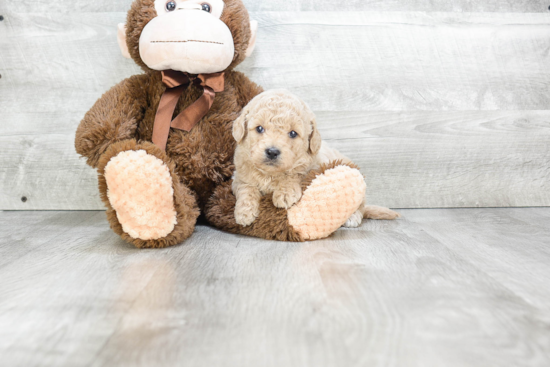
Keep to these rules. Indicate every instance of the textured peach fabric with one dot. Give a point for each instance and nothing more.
(140, 190)
(328, 202)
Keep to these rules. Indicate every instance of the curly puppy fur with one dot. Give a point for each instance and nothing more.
(268, 159)
(277, 145)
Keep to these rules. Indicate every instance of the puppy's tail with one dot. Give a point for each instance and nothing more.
(378, 212)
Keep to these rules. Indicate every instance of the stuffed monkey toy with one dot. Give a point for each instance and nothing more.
(162, 140)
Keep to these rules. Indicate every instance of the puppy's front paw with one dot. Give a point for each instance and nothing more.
(285, 199)
(245, 216)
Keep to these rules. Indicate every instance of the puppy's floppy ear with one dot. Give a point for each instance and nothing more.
(240, 126)
(314, 138)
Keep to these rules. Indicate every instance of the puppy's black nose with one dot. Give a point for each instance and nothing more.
(272, 153)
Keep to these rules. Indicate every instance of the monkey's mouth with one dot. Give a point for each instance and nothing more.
(187, 41)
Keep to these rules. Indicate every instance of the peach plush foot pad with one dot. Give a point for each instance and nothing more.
(140, 190)
(328, 202)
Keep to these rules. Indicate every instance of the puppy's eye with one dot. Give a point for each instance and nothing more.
(260, 130)
(293, 134)
(171, 6)
(206, 7)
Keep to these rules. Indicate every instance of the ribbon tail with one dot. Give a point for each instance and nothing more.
(189, 117)
(165, 111)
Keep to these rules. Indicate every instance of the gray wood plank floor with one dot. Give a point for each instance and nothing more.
(445, 287)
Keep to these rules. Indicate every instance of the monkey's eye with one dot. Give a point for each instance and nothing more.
(206, 7)
(260, 130)
(171, 6)
(293, 134)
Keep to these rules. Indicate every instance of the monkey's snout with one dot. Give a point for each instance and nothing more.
(272, 153)
(193, 42)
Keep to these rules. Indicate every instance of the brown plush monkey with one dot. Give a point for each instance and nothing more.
(162, 140)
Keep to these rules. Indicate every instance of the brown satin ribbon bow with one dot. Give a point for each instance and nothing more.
(176, 83)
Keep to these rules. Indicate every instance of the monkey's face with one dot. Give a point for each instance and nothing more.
(187, 36)
(194, 36)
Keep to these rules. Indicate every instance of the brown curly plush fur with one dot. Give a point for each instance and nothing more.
(271, 224)
(204, 156)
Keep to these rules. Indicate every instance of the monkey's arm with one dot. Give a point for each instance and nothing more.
(114, 117)
(332, 194)
(246, 89)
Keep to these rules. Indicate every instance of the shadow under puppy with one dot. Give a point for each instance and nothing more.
(277, 145)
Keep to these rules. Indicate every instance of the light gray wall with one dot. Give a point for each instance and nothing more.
(441, 103)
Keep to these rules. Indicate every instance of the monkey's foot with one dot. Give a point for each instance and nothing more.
(140, 190)
(151, 207)
(328, 201)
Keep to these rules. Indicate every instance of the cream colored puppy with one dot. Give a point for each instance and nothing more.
(277, 145)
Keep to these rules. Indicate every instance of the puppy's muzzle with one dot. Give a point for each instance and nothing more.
(272, 154)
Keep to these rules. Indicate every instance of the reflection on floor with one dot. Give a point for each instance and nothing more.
(460, 287)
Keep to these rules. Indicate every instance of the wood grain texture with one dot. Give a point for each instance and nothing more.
(337, 61)
(497, 234)
(414, 159)
(383, 61)
(443, 159)
(436, 288)
(520, 6)
(440, 109)
(47, 173)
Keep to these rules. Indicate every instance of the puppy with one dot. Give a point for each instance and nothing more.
(277, 145)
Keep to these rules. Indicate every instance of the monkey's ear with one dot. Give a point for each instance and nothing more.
(240, 127)
(122, 40)
(314, 139)
(252, 42)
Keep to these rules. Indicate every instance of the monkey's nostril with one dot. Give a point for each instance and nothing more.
(272, 153)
